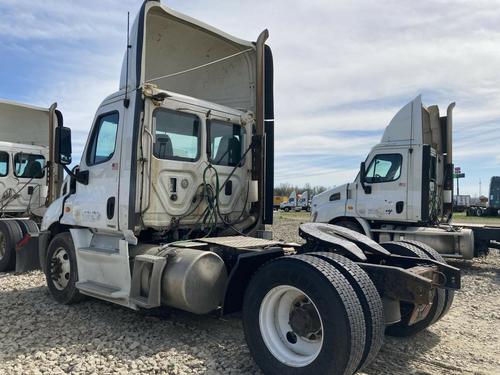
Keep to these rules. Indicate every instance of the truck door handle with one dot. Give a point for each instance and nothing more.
(399, 206)
(110, 208)
(228, 188)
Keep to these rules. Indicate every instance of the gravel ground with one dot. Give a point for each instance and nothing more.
(39, 336)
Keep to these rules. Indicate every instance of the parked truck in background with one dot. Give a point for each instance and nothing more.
(278, 200)
(404, 188)
(461, 202)
(303, 202)
(290, 203)
(29, 180)
(296, 202)
(169, 202)
(491, 207)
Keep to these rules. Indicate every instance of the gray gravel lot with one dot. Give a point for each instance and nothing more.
(39, 336)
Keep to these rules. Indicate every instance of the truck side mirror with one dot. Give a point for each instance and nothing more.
(362, 178)
(62, 149)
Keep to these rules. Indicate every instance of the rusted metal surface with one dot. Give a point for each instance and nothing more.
(400, 284)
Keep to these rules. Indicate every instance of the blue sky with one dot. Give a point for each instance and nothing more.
(342, 70)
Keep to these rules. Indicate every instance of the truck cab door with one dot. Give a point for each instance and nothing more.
(95, 205)
(386, 181)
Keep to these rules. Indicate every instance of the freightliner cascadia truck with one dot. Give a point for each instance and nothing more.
(404, 188)
(169, 203)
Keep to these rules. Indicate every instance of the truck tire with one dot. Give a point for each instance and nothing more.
(479, 212)
(28, 226)
(369, 298)
(349, 224)
(286, 209)
(433, 254)
(10, 235)
(61, 269)
(402, 328)
(302, 316)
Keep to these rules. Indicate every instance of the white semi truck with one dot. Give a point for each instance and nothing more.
(168, 205)
(29, 181)
(296, 202)
(405, 186)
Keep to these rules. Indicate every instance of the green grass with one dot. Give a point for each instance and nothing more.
(460, 217)
(292, 215)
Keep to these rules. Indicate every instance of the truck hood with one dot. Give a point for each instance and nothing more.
(324, 197)
(178, 53)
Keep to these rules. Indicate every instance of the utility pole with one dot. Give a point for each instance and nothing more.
(458, 175)
(479, 187)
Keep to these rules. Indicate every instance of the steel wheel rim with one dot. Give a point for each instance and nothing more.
(276, 317)
(3, 245)
(60, 268)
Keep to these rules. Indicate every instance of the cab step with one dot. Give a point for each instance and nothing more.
(96, 289)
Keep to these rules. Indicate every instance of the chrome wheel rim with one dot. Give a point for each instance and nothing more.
(291, 326)
(60, 268)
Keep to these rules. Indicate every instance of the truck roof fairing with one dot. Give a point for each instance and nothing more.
(418, 125)
(22, 122)
(180, 54)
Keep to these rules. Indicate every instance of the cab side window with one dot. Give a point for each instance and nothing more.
(103, 141)
(227, 143)
(177, 135)
(4, 164)
(384, 168)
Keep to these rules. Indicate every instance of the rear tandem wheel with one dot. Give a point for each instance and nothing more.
(403, 328)
(10, 235)
(302, 316)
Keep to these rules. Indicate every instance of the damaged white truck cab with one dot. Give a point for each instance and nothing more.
(169, 203)
(404, 188)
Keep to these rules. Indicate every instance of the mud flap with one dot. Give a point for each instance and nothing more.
(27, 254)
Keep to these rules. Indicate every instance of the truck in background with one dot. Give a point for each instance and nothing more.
(29, 180)
(278, 200)
(461, 202)
(491, 204)
(303, 202)
(290, 203)
(169, 203)
(296, 202)
(404, 188)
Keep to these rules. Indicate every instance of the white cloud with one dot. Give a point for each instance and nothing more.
(339, 66)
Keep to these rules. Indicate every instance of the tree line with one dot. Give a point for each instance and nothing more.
(286, 189)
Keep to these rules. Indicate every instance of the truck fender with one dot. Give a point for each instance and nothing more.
(241, 274)
(52, 214)
(366, 226)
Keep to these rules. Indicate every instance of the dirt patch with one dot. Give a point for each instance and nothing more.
(39, 336)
